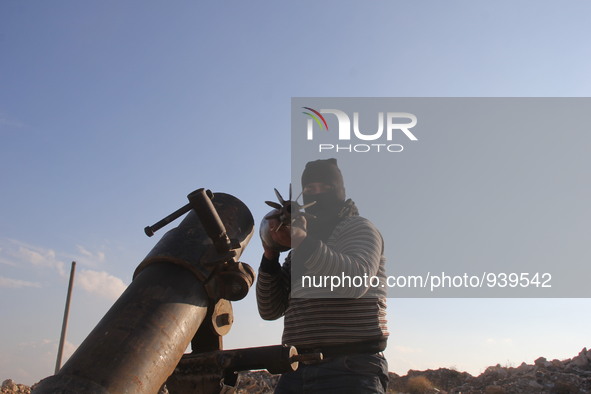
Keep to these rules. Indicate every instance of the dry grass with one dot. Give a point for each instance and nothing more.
(419, 385)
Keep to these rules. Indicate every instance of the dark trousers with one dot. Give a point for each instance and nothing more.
(360, 373)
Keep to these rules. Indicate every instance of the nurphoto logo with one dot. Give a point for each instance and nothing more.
(395, 123)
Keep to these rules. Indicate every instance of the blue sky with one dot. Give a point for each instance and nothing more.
(111, 113)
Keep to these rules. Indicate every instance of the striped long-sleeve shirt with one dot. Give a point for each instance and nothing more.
(317, 316)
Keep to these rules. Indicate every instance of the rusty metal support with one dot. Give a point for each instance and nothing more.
(204, 372)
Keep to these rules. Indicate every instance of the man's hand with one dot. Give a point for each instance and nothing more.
(299, 231)
(288, 236)
(280, 234)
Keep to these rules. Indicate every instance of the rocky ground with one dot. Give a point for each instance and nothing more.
(557, 377)
(569, 376)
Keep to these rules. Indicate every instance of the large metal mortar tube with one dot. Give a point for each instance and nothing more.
(141, 339)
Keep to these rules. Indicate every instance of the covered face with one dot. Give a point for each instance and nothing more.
(322, 182)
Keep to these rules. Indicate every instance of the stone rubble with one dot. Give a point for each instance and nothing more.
(9, 386)
(570, 376)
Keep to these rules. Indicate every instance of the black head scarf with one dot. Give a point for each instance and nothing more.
(328, 204)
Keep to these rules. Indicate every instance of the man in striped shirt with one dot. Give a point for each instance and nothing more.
(330, 290)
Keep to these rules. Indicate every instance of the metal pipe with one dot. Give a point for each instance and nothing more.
(60, 350)
(138, 343)
(150, 230)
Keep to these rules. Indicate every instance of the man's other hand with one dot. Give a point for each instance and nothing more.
(280, 234)
(299, 231)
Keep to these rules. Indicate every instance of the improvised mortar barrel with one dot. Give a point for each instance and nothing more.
(139, 342)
